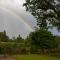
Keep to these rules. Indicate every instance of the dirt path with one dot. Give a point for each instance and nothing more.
(6, 58)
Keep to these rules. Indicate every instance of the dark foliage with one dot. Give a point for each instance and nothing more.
(47, 12)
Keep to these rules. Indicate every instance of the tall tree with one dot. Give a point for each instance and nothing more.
(47, 12)
(43, 39)
(3, 36)
(19, 39)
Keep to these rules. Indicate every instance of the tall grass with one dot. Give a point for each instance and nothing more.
(35, 57)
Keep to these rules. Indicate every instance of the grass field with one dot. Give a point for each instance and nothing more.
(35, 57)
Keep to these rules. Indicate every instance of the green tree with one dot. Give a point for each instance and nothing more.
(19, 39)
(3, 36)
(28, 41)
(43, 39)
(44, 11)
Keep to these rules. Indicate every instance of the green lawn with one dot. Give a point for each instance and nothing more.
(35, 57)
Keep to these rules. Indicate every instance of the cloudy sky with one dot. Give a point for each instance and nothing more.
(15, 20)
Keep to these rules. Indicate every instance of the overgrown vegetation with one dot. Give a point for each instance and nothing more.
(40, 41)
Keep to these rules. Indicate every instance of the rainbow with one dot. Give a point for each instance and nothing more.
(18, 17)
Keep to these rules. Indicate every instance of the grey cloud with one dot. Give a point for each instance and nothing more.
(10, 23)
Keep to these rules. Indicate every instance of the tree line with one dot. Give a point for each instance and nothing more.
(41, 41)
